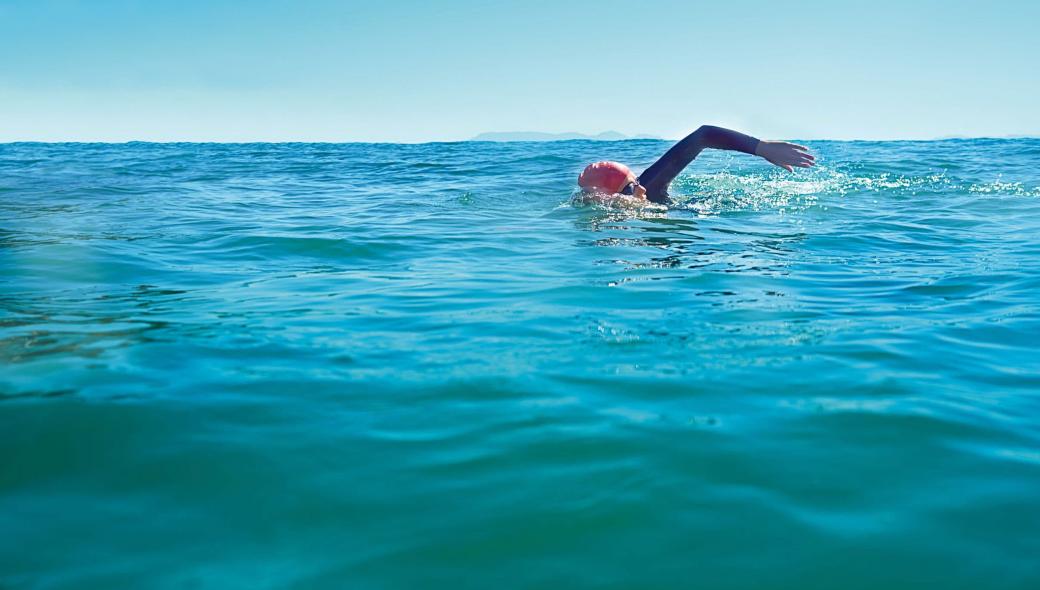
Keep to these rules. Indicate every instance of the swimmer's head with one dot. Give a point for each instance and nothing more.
(609, 177)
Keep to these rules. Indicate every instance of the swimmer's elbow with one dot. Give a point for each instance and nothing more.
(703, 133)
(709, 132)
(711, 136)
(699, 139)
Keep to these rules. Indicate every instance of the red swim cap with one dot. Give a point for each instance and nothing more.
(605, 176)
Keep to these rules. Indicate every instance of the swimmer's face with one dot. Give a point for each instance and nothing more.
(632, 187)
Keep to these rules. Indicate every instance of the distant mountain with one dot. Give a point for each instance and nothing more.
(539, 136)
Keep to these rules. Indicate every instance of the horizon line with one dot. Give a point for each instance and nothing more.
(591, 140)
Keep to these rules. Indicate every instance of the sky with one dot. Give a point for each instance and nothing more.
(447, 70)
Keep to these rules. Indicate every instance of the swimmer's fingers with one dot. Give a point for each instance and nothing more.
(799, 159)
(804, 158)
(801, 150)
(785, 155)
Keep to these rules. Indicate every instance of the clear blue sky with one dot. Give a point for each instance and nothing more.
(380, 70)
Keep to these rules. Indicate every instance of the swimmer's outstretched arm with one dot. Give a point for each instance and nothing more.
(657, 177)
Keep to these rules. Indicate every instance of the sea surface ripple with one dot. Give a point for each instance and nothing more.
(417, 366)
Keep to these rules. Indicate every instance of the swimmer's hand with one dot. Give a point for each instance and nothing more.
(785, 155)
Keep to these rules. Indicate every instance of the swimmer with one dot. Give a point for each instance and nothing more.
(610, 178)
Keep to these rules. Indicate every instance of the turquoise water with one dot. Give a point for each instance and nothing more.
(419, 366)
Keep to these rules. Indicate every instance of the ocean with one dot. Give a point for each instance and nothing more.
(424, 366)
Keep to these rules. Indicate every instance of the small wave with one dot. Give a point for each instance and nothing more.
(601, 202)
(260, 246)
(726, 191)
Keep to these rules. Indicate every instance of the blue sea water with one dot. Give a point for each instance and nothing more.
(420, 366)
